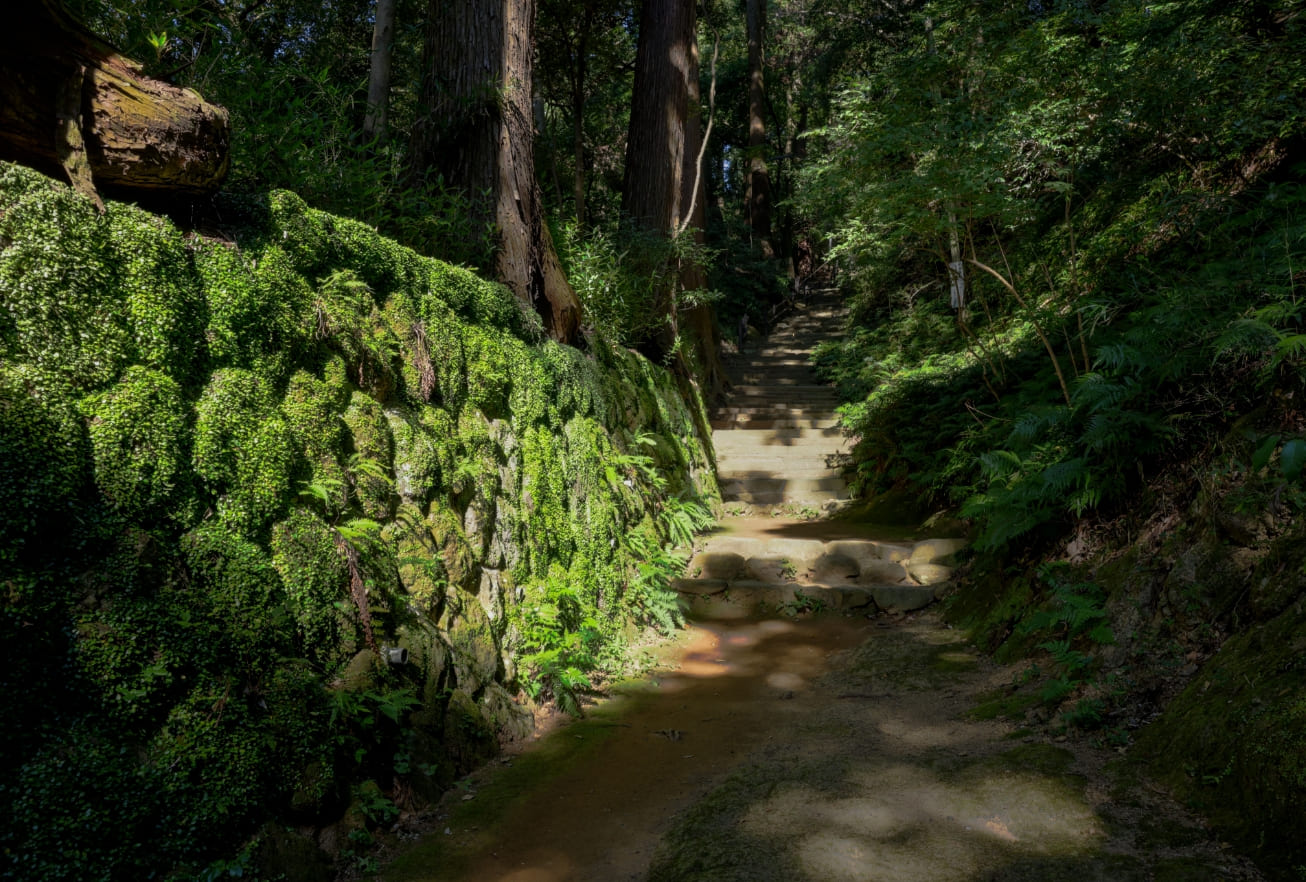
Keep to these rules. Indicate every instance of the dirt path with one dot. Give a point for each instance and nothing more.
(818, 723)
(827, 748)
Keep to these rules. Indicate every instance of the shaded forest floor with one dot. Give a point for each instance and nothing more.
(813, 748)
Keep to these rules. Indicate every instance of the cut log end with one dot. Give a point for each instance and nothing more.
(73, 108)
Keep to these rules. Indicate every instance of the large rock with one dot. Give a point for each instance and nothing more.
(902, 598)
(717, 565)
(833, 567)
(928, 573)
(936, 550)
(882, 572)
(472, 641)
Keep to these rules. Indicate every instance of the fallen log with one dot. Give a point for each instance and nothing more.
(72, 107)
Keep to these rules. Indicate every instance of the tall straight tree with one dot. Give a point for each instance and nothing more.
(655, 150)
(758, 195)
(699, 321)
(475, 129)
(378, 80)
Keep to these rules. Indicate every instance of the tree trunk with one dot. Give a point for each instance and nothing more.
(578, 73)
(378, 81)
(758, 193)
(655, 148)
(72, 107)
(699, 322)
(475, 129)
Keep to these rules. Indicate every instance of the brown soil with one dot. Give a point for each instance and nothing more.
(824, 748)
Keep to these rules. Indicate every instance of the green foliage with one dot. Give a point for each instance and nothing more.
(140, 434)
(166, 310)
(224, 475)
(44, 458)
(256, 308)
(243, 449)
(1125, 294)
(59, 309)
(1074, 613)
(622, 275)
(313, 570)
(559, 638)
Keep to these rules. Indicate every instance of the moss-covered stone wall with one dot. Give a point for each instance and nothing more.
(237, 471)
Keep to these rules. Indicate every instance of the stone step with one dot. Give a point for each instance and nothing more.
(708, 599)
(798, 393)
(758, 407)
(842, 561)
(765, 376)
(780, 498)
(768, 491)
(762, 423)
(774, 363)
(726, 474)
(811, 454)
(779, 404)
(780, 436)
(766, 458)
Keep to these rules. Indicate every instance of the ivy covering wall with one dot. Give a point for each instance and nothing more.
(236, 470)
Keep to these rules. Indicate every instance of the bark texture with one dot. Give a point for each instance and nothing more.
(759, 180)
(699, 322)
(654, 188)
(74, 108)
(476, 131)
(378, 80)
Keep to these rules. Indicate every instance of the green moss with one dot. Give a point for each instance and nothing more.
(421, 568)
(489, 375)
(531, 401)
(301, 231)
(989, 609)
(44, 457)
(548, 526)
(578, 382)
(258, 308)
(166, 309)
(149, 383)
(348, 322)
(1234, 742)
(312, 409)
(1000, 704)
(370, 440)
(421, 459)
(244, 449)
(382, 263)
(306, 555)
(140, 440)
(60, 308)
(475, 299)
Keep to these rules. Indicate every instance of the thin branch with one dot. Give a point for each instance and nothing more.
(1038, 329)
(702, 147)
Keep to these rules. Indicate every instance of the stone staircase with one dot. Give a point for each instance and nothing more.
(779, 451)
(777, 439)
(733, 573)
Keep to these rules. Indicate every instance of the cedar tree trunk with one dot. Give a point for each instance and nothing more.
(759, 182)
(655, 148)
(72, 107)
(475, 130)
(699, 321)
